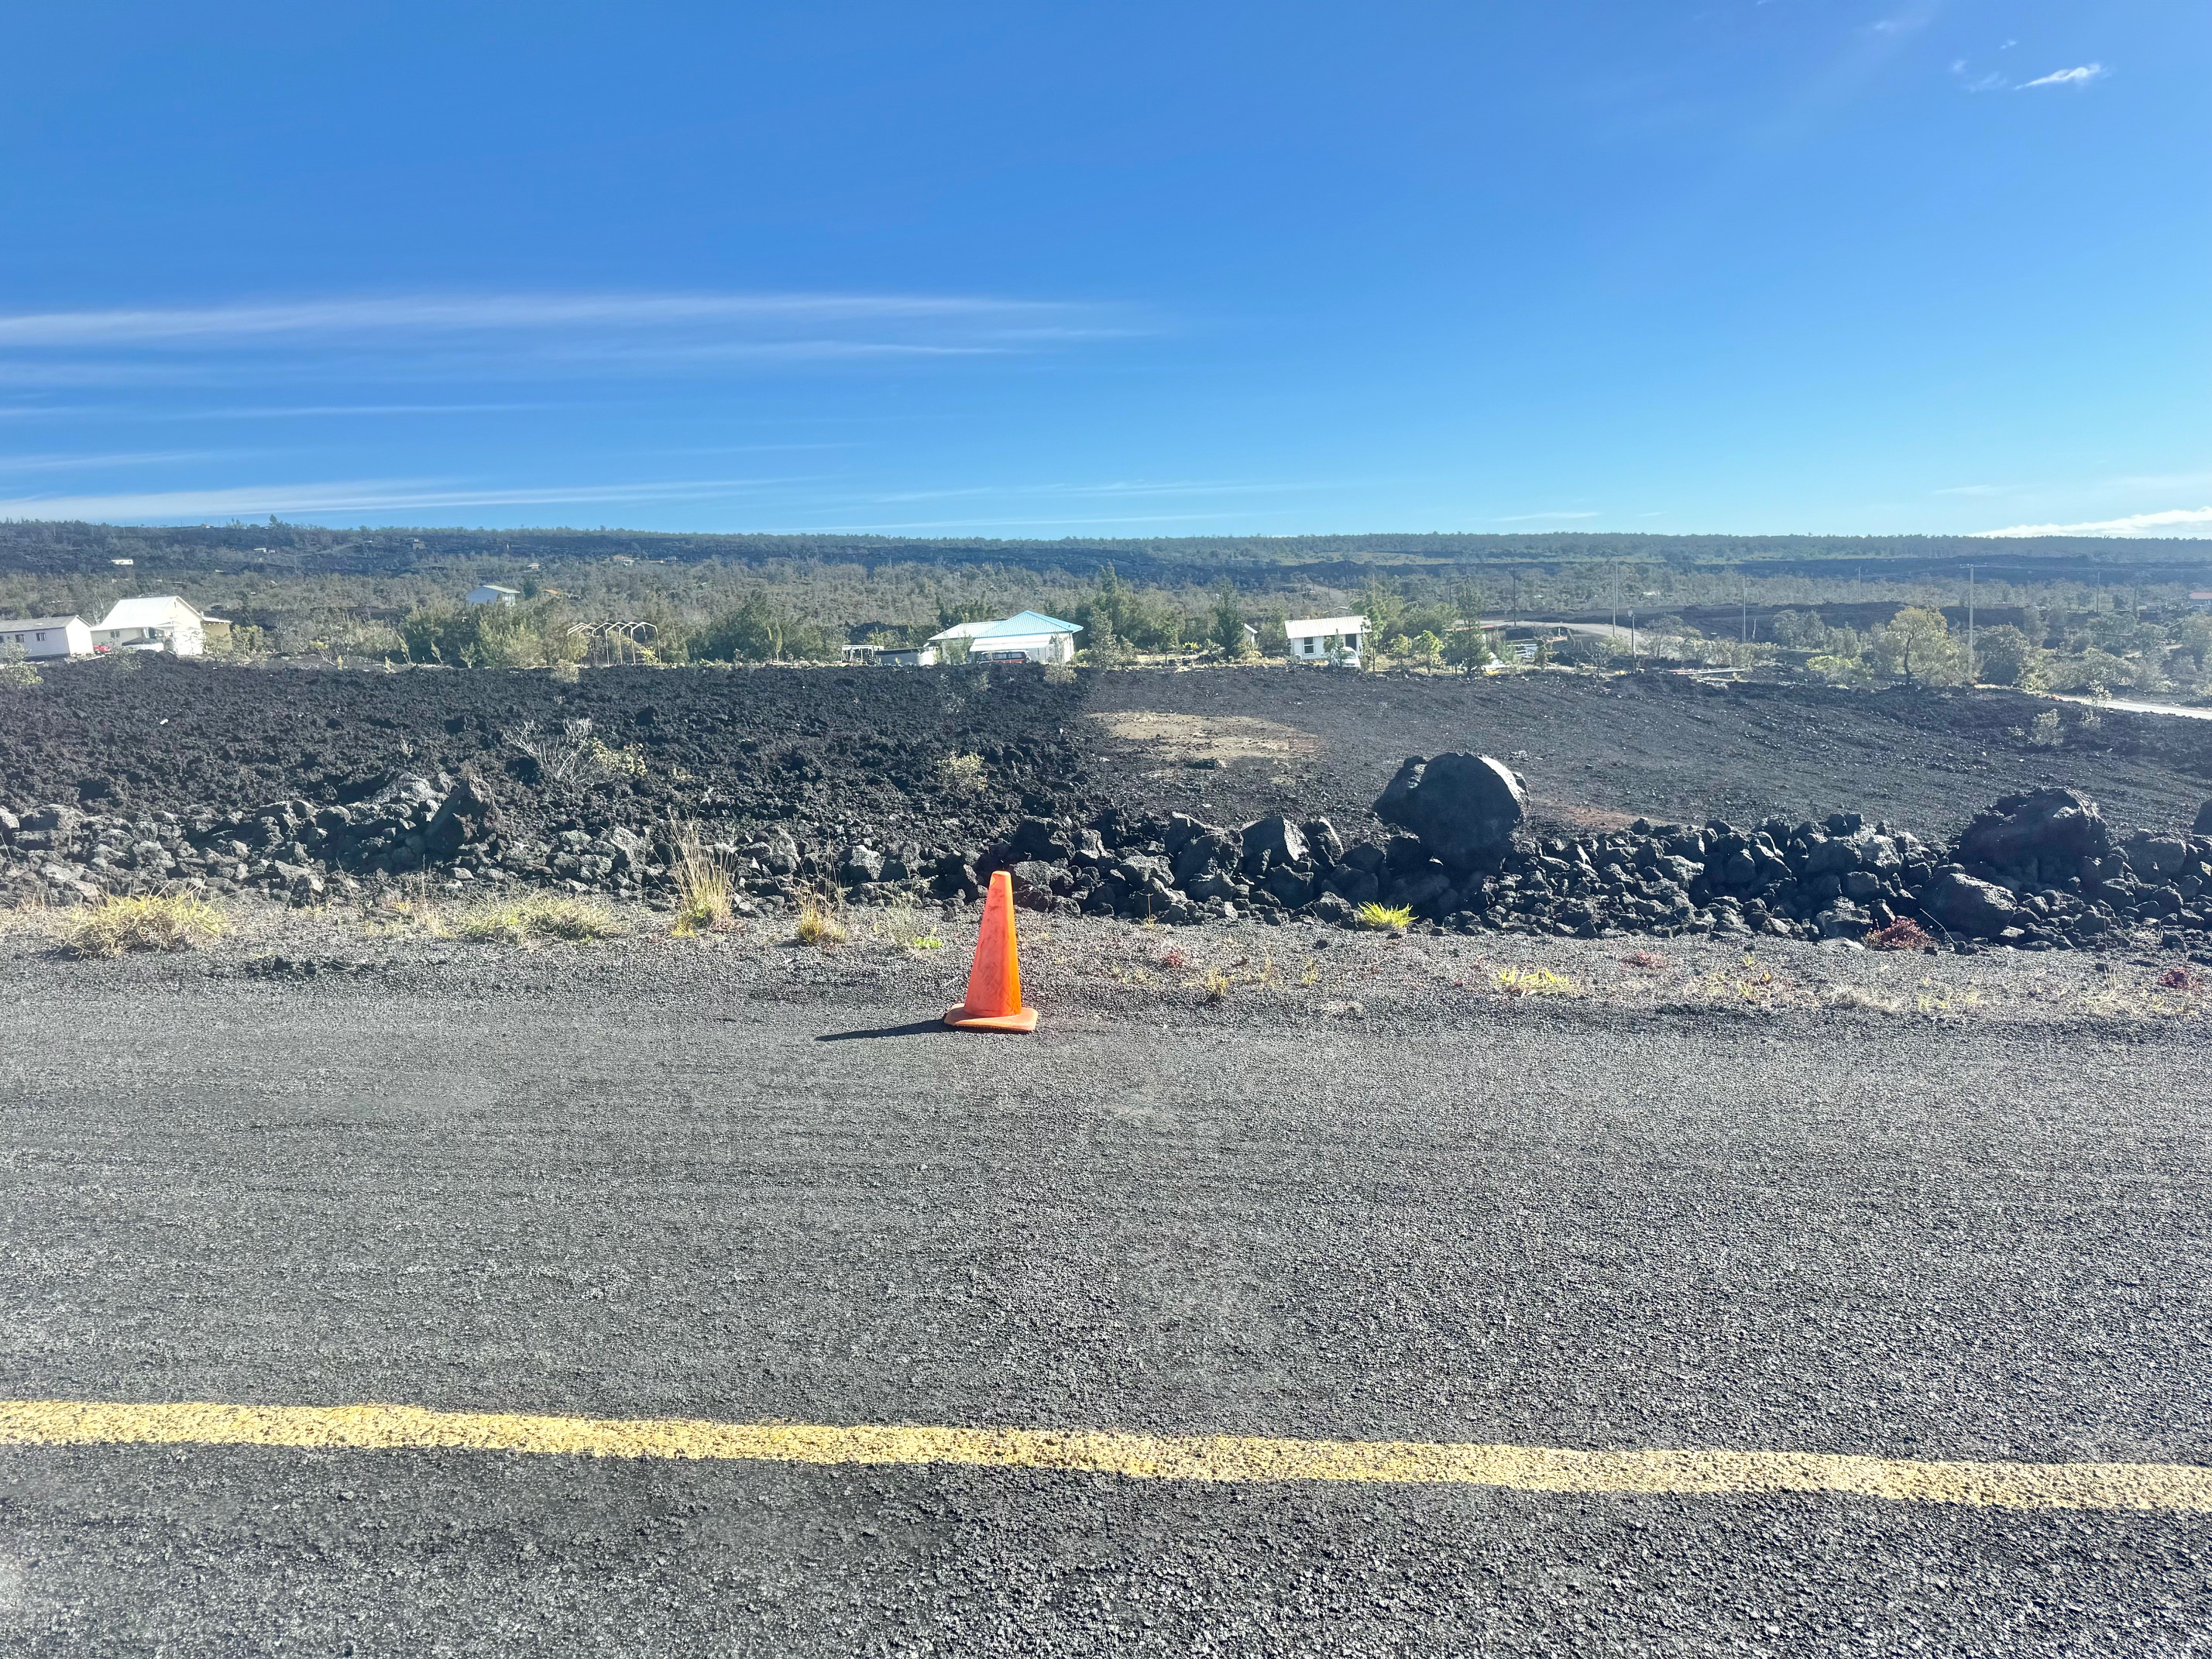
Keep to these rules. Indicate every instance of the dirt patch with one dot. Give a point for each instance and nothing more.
(1173, 740)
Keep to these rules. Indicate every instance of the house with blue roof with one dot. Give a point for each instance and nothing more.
(1030, 636)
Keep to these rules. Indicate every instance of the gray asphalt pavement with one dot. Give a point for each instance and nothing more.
(618, 1196)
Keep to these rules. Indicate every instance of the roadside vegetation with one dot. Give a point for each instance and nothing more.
(537, 917)
(115, 927)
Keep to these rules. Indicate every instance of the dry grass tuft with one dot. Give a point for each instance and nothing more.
(902, 926)
(821, 921)
(963, 773)
(1534, 982)
(115, 926)
(538, 916)
(706, 883)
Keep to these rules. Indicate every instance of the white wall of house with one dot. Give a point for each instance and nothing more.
(490, 594)
(155, 621)
(49, 637)
(1322, 639)
(1037, 648)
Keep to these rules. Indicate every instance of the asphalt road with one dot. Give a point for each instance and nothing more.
(1590, 1230)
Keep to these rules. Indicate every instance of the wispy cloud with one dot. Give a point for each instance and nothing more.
(362, 496)
(93, 463)
(505, 313)
(2174, 522)
(486, 337)
(2079, 76)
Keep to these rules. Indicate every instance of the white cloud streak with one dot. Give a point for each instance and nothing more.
(2174, 522)
(360, 495)
(2080, 76)
(419, 316)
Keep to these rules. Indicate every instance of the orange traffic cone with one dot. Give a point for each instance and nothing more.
(994, 984)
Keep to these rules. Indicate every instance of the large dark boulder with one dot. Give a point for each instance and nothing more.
(2204, 820)
(1978, 909)
(1273, 842)
(1464, 808)
(2040, 836)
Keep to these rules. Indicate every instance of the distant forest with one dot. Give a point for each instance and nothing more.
(2080, 611)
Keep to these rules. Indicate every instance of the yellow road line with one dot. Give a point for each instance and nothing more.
(1137, 1456)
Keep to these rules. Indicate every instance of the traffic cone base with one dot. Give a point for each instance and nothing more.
(994, 984)
(961, 1020)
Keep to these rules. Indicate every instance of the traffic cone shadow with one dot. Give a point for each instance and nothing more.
(994, 983)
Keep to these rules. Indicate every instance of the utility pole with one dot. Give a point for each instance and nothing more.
(1972, 675)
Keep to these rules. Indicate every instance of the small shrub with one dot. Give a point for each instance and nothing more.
(1534, 982)
(705, 881)
(565, 671)
(1175, 959)
(2044, 730)
(115, 926)
(963, 773)
(2180, 979)
(539, 916)
(1903, 934)
(1384, 918)
(821, 921)
(902, 925)
(1859, 997)
(1059, 673)
(16, 672)
(1215, 984)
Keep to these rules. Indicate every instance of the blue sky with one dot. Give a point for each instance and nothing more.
(1746, 265)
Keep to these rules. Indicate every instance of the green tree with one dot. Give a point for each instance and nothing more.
(1918, 646)
(1228, 630)
(1275, 633)
(2008, 656)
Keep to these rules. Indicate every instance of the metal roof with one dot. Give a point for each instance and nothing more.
(961, 631)
(1313, 625)
(1026, 622)
(35, 622)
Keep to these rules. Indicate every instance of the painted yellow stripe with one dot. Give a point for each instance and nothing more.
(1137, 1456)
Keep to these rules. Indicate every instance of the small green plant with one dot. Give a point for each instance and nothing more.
(538, 916)
(627, 762)
(706, 880)
(902, 925)
(1215, 984)
(963, 773)
(565, 671)
(1384, 918)
(2044, 730)
(1534, 982)
(821, 921)
(16, 672)
(113, 926)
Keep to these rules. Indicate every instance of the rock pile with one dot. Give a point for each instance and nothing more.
(2038, 870)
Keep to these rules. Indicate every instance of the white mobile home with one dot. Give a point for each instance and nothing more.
(1326, 639)
(152, 622)
(1030, 636)
(48, 636)
(493, 594)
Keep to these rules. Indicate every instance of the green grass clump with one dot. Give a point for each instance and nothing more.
(1392, 918)
(538, 916)
(1534, 982)
(115, 926)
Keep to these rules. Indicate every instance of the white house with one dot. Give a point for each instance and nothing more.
(493, 594)
(153, 622)
(1326, 639)
(1029, 636)
(49, 637)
